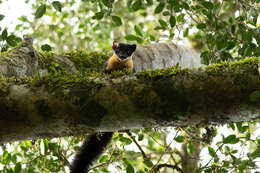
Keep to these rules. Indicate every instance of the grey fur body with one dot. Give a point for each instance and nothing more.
(165, 55)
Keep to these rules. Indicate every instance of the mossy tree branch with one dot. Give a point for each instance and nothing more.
(63, 104)
(59, 106)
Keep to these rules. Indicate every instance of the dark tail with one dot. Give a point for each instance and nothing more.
(90, 150)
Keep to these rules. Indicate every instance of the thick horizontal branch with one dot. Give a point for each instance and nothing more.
(54, 106)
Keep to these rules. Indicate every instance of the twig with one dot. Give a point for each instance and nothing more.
(136, 143)
(155, 140)
(212, 157)
(103, 164)
(166, 149)
(158, 167)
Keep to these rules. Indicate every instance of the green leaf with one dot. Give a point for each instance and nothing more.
(231, 139)
(230, 45)
(40, 11)
(7, 157)
(152, 38)
(208, 5)
(254, 154)
(166, 13)
(226, 163)
(103, 159)
(198, 170)
(159, 8)
(201, 26)
(225, 55)
(1, 17)
(221, 44)
(205, 56)
(23, 19)
(232, 126)
(174, 2)
(149, 2)
(179, 139)
(208, 170)
(241, 128)
(125, 140)
(137, 5)
(129, 168)
(117, 20)
(180, 18)
(126, 161)
(14, 158)
(98, 15)
(172, 21)
(185, 6)
(255, 96)
(234, 151)
(186, 32)
(18, 168)
(107, 3)
(241, 167)
(140, 137)
(57, 5)
(11, 40)
(4, 34)
(46, 47)
(148, 163)
(247, 36)
(131, 37)
(138, 30)
(211, 151)
(163, 23)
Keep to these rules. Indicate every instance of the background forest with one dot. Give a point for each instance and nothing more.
(222, 30)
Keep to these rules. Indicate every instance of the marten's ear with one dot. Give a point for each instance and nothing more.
(115, 44)
(133, 47)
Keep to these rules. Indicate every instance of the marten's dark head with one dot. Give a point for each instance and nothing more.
(123, 50)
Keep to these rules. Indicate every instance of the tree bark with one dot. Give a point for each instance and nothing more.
(71, 104)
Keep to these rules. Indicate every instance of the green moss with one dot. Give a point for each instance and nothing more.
(60, 79)
(246, 65)
(249, 65)
(5, 53)
(87, 62)
(3, 86)
(162, 73)
(46, 61)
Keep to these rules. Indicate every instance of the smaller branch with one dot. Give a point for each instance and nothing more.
(166, 149)
(158, 167)
(212, 157)
(65, 160)
(192, 17)
(110, 160)
(103, 164)
(136, 143)
(220, 9)
(155, 140)
(179, 154)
